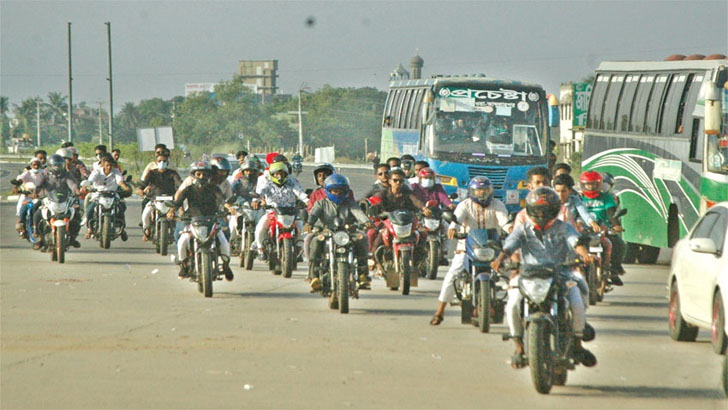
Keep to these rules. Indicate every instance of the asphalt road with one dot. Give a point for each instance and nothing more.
(116, 329)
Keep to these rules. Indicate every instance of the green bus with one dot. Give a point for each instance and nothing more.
(661, 128)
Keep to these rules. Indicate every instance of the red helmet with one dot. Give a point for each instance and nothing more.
(270, 156)
(426, 173)
(591, 184)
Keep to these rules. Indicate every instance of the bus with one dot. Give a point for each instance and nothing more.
(646, 125)
(469, 126)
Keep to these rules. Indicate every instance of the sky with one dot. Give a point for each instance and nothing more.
(158, 46)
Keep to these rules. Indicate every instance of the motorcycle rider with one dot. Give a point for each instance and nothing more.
(337, 203)
(603, 206)
(77, 168)
(99, 152)
(204, 198)
(427, 189)
(158, 182)
(479, 211)
(544, 240)
(106, 178)
(238, 173)
(58, 179)
(158, 149)
(42, 156)
(418, 167)
(35, 175)
(574, 207)
(320, 173)
(243, 187)
(278, 190)
(381, 175)
(408, 162)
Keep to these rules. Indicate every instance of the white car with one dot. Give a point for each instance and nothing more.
(698, 281)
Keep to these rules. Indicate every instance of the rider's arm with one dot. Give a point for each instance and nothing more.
(300, 193)
(442, 196)
(360, 216)
(315, 213)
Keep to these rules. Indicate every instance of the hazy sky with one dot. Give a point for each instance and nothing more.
(158, 46)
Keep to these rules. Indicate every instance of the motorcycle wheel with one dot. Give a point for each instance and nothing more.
(404, 278)
(105, 232)
(48, 240)
(343, 286)
(163, 233)
(560, 376)
(540, 356)
(249, 254)
(30, 230)
(287, 257)
(594, 284)
(61, 244)
(601, 283)
(206, 262)
(433, 260)
(484, 303)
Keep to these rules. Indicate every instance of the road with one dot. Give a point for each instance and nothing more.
(116, 329)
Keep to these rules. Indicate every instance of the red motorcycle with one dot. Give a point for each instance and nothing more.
(281, 241)
(395, 256)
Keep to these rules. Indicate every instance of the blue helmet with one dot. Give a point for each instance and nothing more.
(335, 181)
(484, 188)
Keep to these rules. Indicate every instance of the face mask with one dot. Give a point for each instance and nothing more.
(162, 164)
(35, 171)
(427, 183)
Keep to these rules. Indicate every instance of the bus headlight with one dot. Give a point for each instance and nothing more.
(447, 180)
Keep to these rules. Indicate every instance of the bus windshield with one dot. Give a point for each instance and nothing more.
(495, 127)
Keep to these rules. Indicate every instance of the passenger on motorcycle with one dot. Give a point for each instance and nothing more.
(274, 158)
(35, 175)
(244, 188)
(105, 179)
(58, 179)
(574, 206)
(418, 167)
(99, 152)
(479, 211)
(337, 203)
(427, 189)
(544, 240)
(77, 168)
(279, 190)
(381, 175)
(203, 199)
(158, 182)
(158, 149)
(408, 163)
(320, 173)
(603, 206)
(238, 173)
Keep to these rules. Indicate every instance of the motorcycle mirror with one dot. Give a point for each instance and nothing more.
(309, 191)
(338, 223)
(15, 182)
(453, 196)
(128, 178)
(621, 212)
(169, 203)
(123, 173)
(494, 244)
(431, 203)
(449, 216)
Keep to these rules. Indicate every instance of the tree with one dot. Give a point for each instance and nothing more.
(57, 106)
(128, 121)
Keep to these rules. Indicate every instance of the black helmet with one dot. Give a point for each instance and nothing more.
(56, 163)
(221, 163)
(325, 166)
(542, 206)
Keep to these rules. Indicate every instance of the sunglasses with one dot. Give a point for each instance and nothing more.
(382, 173)
(397, 181)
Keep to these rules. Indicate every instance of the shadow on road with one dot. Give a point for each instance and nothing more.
(638, 304)
(263, 295)
(394, 312)
(627, 318)
(642, 392)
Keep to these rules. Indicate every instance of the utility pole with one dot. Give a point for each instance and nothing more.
(111, 91)
(70, 88)
(301, 90)
(101, 130)
(37, 120)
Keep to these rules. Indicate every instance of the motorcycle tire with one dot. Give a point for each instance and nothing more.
(601, 283)
(406, 275)
(49, 241)
(287, 256)
(61, 244)
(30, 230)
(433, 260)
(206, 277)
(540, 355)
(342, 287)
(560, 376)
(249, 254)
(105, 231)
(484, 302)
(155, 236)
(594, 284)
(163, 233)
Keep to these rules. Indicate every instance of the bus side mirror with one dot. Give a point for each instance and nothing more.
(712, 110)
(553, 111)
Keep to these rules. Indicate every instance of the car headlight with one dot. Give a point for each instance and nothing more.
(536, 289)
(402, 231)
(342, 238)
(484, 254)
(200, 231)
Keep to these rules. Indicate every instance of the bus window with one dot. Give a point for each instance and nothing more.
(655, 103)
(718, 153)
(596, 102)
(679, 129)
(624, 108)
(637, 119)
(610, 102)
(672, 104)
(696, 141)
(691, 101)
(388, 106)
(417, 109)
(397, 107)
(407, 109)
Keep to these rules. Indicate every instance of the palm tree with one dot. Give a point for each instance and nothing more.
(129, 117)
(26, 112)
(57, 105)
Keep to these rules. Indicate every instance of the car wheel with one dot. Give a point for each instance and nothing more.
(717, 325)
(680, 330)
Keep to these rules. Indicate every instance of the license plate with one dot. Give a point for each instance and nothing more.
(595, 249)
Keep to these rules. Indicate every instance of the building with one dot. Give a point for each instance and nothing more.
(573, 105)
(261, 74)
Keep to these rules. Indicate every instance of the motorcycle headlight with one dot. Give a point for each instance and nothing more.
(106, 202)
(200, 231)
(287, 220)
(58, 207)
(342, 238)
(251, 214)
(536, 289)
(484, 254)
(161, 207)
(402, 231)
(432, 224)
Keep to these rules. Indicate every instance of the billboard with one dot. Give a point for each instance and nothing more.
(582, 93)
(147, 138)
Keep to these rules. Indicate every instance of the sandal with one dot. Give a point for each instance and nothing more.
(436, 320)
(518, 361)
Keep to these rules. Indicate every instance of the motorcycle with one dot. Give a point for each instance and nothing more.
(597, 273)
(245, 233)
(57, 212)
(163, 234)
(549, 342)
(296, 166)
(400, 237)
(204, 252)
(429, 251)
(28, 189)
(481, 291)
(105, 226)
(280, 244)
(338, 272)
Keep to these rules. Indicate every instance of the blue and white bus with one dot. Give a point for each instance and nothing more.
(470, 126)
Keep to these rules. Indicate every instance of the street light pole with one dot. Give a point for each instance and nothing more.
(37, 120)
(300, 124)
(111, 92)
(101, 130)
(70, 88)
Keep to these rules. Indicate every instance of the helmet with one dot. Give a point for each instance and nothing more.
(221, 163)
(280, 158)
(56, 163)
(275, 168)
(248, 164)
(65, 153)
(591, 184)
(324, 166)
(335, 181)
(73, 151)
(542, 206)
(426, 177)
(256, 162)
(607, 182)
(483, 184)
(270, 156)
(200, 166)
